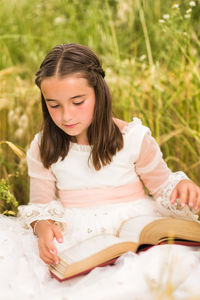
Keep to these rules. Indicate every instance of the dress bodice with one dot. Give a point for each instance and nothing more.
(77, 172)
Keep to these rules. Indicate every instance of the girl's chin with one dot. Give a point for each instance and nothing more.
(71, 133)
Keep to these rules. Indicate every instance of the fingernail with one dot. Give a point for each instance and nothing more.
(183, 204)
(60, 240)
(190, 204)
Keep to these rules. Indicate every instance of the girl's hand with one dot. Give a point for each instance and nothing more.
(188, 192)
(46, 233)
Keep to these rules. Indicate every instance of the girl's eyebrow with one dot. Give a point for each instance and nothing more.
(71, 98)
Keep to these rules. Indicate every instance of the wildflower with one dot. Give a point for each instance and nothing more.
(123, 10)
(192, 3)
(175, 5)
(162, 21)
(19, 133)
(188, 11)
(142, 57)
(13, 117)
(187, 16)
(60, 20)
(185, 33)
(23, 121)
(11, 114)
(166, 16)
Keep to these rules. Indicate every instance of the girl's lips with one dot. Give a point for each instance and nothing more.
(71, 126)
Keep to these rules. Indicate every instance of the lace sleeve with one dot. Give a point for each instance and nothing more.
(32, 212)
(160, 180)
(43, 204)
(174, 210)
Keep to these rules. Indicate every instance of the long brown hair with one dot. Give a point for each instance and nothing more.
(103, 134)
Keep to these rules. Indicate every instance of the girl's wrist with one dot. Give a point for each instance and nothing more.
(35, 225)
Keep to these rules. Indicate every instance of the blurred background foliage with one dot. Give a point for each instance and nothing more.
(149, 50)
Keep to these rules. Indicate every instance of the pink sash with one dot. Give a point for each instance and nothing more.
(100, 196)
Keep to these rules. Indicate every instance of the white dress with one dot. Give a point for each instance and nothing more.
(171, 270)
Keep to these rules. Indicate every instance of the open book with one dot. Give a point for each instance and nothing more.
(134, 234)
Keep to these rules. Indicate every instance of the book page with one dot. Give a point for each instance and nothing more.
(171, 229)
(130, 230)
(88, 247)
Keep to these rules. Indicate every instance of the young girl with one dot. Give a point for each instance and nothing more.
(86, 172)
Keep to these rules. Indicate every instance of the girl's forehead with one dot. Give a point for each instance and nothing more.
(68, 87)
(63, 82)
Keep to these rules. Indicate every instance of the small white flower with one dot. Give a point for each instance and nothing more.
(11, 114)
(161, 21)
(189, 11)
(185, 33)
(60, 20)
(175, 5)
(13, 117)
(19, 133)
(23, 121)
(123, 10)
(187, 16)
(192, 3)
(142, 57)
(166, 16)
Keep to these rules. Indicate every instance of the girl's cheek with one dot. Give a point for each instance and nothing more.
(87, 106)
(54, 115)
(53, 111)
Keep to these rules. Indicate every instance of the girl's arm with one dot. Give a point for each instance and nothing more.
(43, 208)
(40, 215)
(173, 191)
(43, 204)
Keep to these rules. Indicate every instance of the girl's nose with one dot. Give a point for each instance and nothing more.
(67, 114)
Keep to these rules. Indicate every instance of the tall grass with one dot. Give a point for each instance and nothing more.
(149, 50)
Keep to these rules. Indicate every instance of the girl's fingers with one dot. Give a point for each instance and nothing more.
(183, 196)
(58, 233)
(188, 192)
(47, 254)
(52, 249)
(174, 196)
(192, 198)
(53, 252)
(197, 203)
(47, 249)
(47, 260)
(45, 257)
(48, 257)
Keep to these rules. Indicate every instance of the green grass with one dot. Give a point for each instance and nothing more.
(152, 68)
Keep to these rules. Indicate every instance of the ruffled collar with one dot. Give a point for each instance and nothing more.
(125, 130)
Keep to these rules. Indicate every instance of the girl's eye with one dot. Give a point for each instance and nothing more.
(78, 103)
(54, 106)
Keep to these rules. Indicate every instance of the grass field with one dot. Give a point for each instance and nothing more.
(150, 53)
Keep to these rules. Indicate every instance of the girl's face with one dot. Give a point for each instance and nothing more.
(70, 102)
